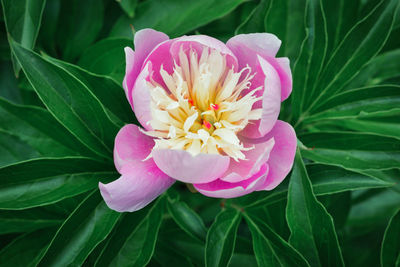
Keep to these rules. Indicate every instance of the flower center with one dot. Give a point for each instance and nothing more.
(201, 107)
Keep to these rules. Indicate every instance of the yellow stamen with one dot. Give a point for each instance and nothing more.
(204, 108)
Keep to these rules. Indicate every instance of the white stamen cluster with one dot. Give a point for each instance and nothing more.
(201, 110)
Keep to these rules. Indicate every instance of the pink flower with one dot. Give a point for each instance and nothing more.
(209, 115)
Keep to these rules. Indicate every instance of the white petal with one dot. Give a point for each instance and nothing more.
(189, 122)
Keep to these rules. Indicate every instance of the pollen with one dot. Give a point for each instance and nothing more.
(202, 105)
(214, 106)
(207, 124)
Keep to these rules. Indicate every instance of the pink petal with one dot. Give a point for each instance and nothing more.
(282, 65)
(131, 145)
(255, 158)
(166, 52)
(280, 162)
(141, 97)
(222, 189)
(182, 166)
(145, 40)
(205, 41)
(128, 81)
(271, 102)
(247, 46)
(141, 182)
(282, 155)
(265, 44)
(160, 56)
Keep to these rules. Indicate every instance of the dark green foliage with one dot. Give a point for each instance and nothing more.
(61, 104)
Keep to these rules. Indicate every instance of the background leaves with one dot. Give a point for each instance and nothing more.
(312, 229)
(174, 17)
(270, 249)
(133, 240)
(61, 104)
(221, 238)
(86, 227)
(22, 19)
(390, 255)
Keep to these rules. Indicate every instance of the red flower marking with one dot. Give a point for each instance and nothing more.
(207, 124)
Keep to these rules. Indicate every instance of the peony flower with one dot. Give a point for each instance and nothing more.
(208, 113)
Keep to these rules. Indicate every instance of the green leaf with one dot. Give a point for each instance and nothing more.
(393, 42)
(372, 210)
(5, 54)
(218, 28)
(275, 215)
(64, 207)
(28, 94)
(187, 219)
(255, 21)
(389, 175)
(274, 23)
(358, 103)
(39, 130)
(355, 50)
(22, 20)
(269, 248)
(190, 248)
(240, 260)
(338, 206)
(331, 179)
(167, 256)
(49, 27)
(22, 221)
(340, 18)
(27, 249)
(128, 6)
(379, 70)
(309, 64)
(69, 101)
(84, 229)
(13, 149)
(182, 243)
(221, 238)
(79, 24)
(133, 241)
(384, 126)
(286, 19)
(311, 226)
(8, 82)
(173, 17)
(107, 91)
(362, 250)
(106, 57)
(390, 253)
(94, 255)
(352, 150)
(47, 180)
(325, 180)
